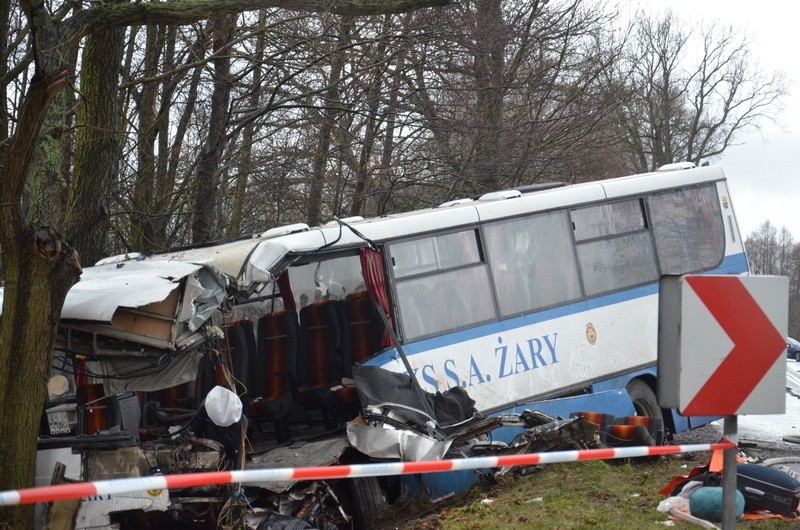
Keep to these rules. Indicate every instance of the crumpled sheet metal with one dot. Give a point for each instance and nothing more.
(308, 454)
(208, 289)
(107, 293)
(103, 289)
(556, 433)
(408, 446)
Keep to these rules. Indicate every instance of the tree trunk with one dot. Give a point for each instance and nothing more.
(329, 114)
(245, 167)
(39, 271)
(384, 179)
(489, 69)
(211, 153)
(5, 12)
(144, 192)
(50, 170)
(98, 148)
(177, 197)
(371, 125)
(165, 181)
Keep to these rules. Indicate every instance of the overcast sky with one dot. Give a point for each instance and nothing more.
(763, 172)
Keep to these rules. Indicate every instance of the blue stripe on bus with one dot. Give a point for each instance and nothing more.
(734, 264)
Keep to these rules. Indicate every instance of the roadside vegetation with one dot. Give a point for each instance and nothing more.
(621, 494)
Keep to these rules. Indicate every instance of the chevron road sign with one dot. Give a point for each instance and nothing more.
(722, 344)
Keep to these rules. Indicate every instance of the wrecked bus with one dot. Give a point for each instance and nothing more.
(504, 323)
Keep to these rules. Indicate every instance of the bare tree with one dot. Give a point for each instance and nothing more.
(162, 75)
(328, 116)
(514, 94)
(245, 165)
(774, 252)
(762, 249)
(692, 91)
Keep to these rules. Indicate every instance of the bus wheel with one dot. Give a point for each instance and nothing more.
(646, 404)
(367, 500)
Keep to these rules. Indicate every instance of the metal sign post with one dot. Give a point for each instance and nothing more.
(729, 475)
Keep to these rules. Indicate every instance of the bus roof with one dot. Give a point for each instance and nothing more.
(467, 212)
(251, 260)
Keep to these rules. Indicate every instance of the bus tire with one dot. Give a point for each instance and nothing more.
(646, 404)
(367, 500)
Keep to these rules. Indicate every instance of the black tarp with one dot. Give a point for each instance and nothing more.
(395, 391)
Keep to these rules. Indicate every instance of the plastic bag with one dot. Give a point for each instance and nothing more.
(223, 407)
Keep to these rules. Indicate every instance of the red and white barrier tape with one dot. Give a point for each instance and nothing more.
(254, 476)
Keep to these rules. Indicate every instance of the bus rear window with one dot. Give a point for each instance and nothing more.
(688, 229)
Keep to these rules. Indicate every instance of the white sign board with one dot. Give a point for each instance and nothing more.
(722, 344)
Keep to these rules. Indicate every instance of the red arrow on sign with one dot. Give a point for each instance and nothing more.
(757, 344)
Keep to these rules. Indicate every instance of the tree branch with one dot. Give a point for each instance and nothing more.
(184, 12)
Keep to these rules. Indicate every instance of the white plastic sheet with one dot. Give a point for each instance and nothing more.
(223, 407)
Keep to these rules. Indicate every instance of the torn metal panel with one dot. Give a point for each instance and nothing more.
(474, 429)
(46, 460)
(119, 463)
(190, 454)
(248, 262)
(132, 307)
(95, 512)
(206, 289)
(396, 392)
(316, 453)
(105, 288)
(259, 265)
(187, 453)
(394, 422)
(383, 442)
(228, 258)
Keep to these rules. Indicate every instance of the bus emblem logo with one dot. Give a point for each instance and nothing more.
(591, 334)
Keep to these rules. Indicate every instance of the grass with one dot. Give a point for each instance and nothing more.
(583, 495)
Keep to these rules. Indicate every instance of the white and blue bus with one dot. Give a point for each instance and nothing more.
(535, 298)
(543, 297)
(526, 296)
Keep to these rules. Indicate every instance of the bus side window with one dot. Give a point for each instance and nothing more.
(618, 254)
(414, 300)
(432, 276)
(616, 263)
(451, 305)
(532, 262)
